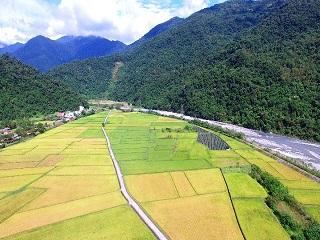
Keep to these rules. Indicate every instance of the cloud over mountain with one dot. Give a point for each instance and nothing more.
(124, 20)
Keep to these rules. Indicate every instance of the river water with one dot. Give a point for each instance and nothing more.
(291, 147)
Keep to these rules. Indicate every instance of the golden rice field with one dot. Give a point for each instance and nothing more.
(62, 179)
(62, 184)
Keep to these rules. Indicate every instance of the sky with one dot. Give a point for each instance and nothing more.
(124, 20)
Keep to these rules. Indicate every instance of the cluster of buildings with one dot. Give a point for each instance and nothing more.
(7, 135)
(63, 117)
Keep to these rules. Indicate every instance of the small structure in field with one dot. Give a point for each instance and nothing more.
(126, 108)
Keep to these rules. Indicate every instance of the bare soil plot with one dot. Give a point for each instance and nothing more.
(151, 187)
(198, 217)
(206, 181)
(242, 185)
(43, 216)
(66, 188)
(257, 221)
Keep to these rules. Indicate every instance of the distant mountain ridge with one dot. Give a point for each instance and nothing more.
(157, 30)
(44, 53)
(252, 63)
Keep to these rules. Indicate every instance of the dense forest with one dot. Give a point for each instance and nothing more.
(253, 63)
(26, 93)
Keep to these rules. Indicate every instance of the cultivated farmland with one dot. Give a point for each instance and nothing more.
(183, 185)
(61, 185)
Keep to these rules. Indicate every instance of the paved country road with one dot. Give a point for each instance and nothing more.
(291, 147)
(156, 231)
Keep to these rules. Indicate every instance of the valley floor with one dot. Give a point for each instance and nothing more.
(62, 184)
(290, 147)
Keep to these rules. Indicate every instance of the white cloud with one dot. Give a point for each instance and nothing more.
(124, 20)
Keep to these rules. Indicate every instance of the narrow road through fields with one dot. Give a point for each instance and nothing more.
(153, 227)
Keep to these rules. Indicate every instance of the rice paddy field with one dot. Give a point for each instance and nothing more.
(62, 184)
(184, 186)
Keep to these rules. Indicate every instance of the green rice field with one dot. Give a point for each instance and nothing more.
(62, 184)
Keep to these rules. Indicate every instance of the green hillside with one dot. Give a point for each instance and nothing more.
(25, 93)
(254, 63)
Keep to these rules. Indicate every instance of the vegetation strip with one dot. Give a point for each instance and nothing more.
(127, 196)
(290, 213)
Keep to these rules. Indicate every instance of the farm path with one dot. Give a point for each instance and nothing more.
(148, 221)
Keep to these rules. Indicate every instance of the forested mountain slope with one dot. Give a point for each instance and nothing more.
(25, 93)
(254, 63)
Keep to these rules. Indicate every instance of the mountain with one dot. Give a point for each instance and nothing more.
(252, 63)
(10, 48)
(2, 45)
(44, 53)
(157, 30)
(25, 92)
